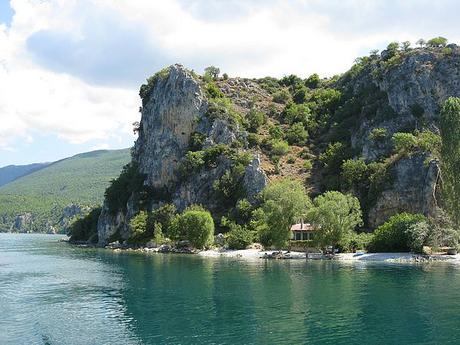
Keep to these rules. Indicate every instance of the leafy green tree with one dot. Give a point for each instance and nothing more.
(282, 96)
(297, 134)
(164, 215)
(238, 236)
(437, 42)
(450, 157)
(211, 73)
(197, 226)
(335, 216)
(313, 81)
(393, 235)
(421, 42)
(139, 225)
(284, 202)
(354, 171)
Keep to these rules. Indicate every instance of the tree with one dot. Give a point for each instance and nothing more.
(421, 42)
(297, 134)
(405, 46)
(313, 81)
(335, 216)
(197, 226)
(139, 225)
(395, 235)
(284, 202)
(437, 42)
(450, 157)
(256, 119)
(211, 72)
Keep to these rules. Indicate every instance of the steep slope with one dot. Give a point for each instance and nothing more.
(214, 141)
(12, 172)
(46, 199)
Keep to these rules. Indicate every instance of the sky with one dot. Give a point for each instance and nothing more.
(70, 70)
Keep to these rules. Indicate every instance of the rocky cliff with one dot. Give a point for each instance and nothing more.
(195, 135)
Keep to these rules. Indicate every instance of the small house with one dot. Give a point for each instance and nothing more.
(302, 231)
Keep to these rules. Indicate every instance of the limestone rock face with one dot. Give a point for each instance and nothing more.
(413, 190)
(22, 223)
(176, 108)
(171, 114)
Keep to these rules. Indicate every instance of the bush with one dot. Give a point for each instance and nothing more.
(211, 73)
(239, 237)
(197, 226)
(357, 241)
(275, 132)
(404, 142)
(279, 147)
(164, 216)
(256, 119)
(392, 236)
(313, 81)
(282, 96)
(333, 156)
(297, 134)
(308, 165)
(354, 171)
(213, 91)
(139, 226)
(378, 134)
(437, 42)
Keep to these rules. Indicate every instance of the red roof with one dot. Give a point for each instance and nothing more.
(302, 227)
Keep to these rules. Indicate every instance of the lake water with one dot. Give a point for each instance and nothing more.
(52, 293)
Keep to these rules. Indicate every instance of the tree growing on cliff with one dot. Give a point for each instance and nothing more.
(335, 216)
(450, 157)
(283, 203)
(211, 73)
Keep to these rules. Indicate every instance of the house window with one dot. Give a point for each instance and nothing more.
(298, 236)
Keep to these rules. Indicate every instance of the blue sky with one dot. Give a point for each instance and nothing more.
(70, 70)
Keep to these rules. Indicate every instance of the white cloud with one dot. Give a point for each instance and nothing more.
(246, 38)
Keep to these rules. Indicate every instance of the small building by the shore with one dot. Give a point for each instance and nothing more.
(302, 231)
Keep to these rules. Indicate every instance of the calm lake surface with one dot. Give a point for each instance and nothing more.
(52, 293)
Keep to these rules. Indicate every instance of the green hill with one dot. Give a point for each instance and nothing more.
(38, 201)
(13, 172)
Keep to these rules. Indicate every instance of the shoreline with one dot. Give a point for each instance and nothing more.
(257, 254)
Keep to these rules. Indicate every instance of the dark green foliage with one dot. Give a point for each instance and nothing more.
(297, 134)
(229, 186)
(256, 119)
(197, 226)
(275, 132)
(269, 84)
(197, 140)
(211, 73)
(404, 143)
(393, 235)
(313, 81)
(284, 202)
(437, 42)
(334, 155)
(238, 236)
(213, 91)
(282, 96)
(378, 134)
(450, 158)
(417, 110)
(130, 181)
(165, 215)
(335, 216)
(85, 228)
(290, 80)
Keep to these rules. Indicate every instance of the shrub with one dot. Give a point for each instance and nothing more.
(392, 236)
(297, 134)
(165, 215)
(378, 134)
(275, 132)
(357, 241)
(299, 113)
(307, 165)
(313, 81)
(229, 186)
(197, 226)
(404, 142)
(239, 237)
(256, 119)
(196, 141)
(333, 157)
(354, 171)
(146, 89)
(139, 226)
(279, 147)
(213, 91)
(282, 96)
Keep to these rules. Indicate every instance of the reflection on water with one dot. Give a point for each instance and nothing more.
(52, 293)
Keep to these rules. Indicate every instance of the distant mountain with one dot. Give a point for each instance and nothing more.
(12, 172)
(45, 200)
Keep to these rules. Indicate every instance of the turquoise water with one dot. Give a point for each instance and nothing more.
(52, 293)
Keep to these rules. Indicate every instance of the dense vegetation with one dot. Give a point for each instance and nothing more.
(79, 180)
(305, 132)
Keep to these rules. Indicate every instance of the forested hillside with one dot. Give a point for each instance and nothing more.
(46, 199)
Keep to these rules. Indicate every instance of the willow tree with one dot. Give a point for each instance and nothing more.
(450, 157)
